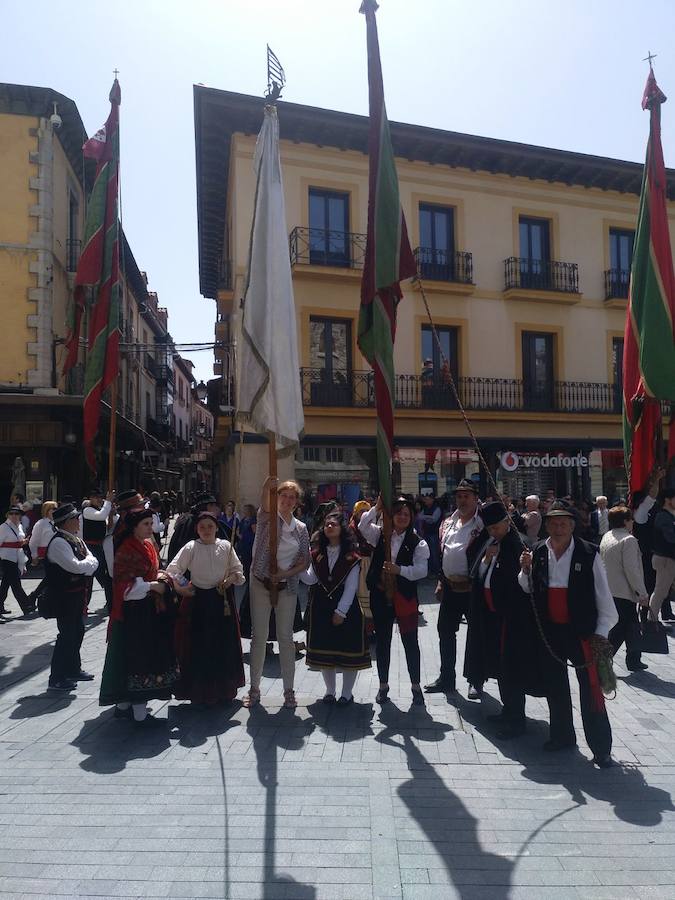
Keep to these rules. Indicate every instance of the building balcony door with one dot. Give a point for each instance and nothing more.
(330, 360)
(538, 387)
(535, 253)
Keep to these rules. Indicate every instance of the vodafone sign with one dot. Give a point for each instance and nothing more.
(510, 461)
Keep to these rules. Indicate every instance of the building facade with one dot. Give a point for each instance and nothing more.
(524, 258)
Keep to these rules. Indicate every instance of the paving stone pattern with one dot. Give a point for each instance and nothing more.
(323, 803)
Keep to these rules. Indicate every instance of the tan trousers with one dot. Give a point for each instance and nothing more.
(260, 623)
(664, 567)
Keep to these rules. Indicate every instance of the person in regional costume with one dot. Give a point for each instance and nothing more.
(69, 567)
(140, 661)
(185, 527)
(462, 539)
(207, 631)
(336, 634)
(94, 528)
(410, 556)
(501, 631)
(365, 551)
(13, 562)
(576, 611)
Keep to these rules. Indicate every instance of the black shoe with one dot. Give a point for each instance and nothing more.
(148, 722)
(127, 713)
(382, 696)
(603, 762)
(474, 693)
(510, 730)
(83, 676)
(65, 686)
(637, 667)
(343, 701)
(329, 699)
(553, 746)
(30, 613)
(438, 687)
(417, 697)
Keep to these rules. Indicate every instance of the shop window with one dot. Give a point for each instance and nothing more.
(335, 454)
(311, 454)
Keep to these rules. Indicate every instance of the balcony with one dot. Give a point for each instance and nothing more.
(443, 265)
(225, 275)
(357, 390)
(616, 286)
(150, 364)
(321, 247)
(164, 374)
(544, 280)
(73, 249)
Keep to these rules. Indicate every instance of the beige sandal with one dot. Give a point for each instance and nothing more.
(289, 699)
(252, 698)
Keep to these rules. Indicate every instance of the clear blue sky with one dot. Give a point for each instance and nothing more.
(560, 73)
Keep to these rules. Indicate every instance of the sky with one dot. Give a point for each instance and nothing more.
(567, 74)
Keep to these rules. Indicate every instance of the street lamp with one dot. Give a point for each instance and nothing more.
(202, 392)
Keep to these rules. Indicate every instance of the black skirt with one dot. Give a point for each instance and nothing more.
(209, 648)
(335, 646)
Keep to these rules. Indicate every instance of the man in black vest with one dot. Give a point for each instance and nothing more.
(576, 609)
(68, 570)
(96, 517)
(185, 529)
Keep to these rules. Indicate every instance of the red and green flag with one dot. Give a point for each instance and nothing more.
(97, 281)
(649, 342)
(388, 260)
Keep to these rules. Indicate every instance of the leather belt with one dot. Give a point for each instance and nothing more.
(281, 586)
(461, 584)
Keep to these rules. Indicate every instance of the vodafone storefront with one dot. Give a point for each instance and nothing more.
(524, 472)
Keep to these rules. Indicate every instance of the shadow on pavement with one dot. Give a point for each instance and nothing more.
(447, 824)
(193, 724)
(272, 734)
(649, 683)
(109, 744)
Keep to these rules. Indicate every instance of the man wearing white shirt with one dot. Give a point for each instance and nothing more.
(13, 562)
(461, 538)
(576, 609)
(600, 517)
(94, 528)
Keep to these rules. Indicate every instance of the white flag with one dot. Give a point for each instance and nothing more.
(269, 372)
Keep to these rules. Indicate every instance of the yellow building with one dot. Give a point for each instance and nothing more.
(44, 183)
(524, 255)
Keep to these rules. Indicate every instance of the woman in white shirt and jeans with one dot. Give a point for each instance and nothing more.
(292, 558)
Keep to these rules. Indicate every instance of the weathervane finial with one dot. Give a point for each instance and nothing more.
(649, 57)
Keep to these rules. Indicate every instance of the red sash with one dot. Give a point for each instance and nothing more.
(12, 545)
(557, 605)
(489, 602)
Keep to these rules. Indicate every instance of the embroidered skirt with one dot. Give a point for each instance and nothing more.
(335, 646)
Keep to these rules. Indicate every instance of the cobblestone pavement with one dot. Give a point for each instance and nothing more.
(322, 802)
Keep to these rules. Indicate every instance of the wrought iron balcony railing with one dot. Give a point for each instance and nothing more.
(616, 283)
(322, 247)
(150, 364)
(541, 275)
(443, 265)
(164, 374)
(73, 249)
(357, 389)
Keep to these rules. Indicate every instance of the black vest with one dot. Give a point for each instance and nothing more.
(93, 532)
(581, 604)
(58, 580)
(404, 557)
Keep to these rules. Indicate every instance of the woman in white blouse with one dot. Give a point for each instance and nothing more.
(336, 628)
(207, 635)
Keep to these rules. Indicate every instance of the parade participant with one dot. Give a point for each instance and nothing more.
(40, 536)
(622, 559)
(365, 551)
(409, 555)
(431, 519)
(140, 661)
(207, 631)
(501, 630)
(462, 539)
(185, 528)
(157, 525)
(663, 559)
(336, 634)
(230, 519)
(94, 528)
(576, 610)
(125, 501)
(292, 558)
(246, 537)
(69, 566)
(13, 561)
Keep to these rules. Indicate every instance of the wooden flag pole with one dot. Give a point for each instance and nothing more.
(113, 435)
(274, 518)
(389, 579)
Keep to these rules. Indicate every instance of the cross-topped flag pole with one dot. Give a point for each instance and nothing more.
(649, 57)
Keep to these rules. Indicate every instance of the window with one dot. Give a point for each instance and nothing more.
(620, 256)
(535, 253)
(435, 383)
(328, 228)
(436, 254)
(335, 454)
(311, 454)
(537, 370)
(148, 409)
(617, 372)
(330, 361)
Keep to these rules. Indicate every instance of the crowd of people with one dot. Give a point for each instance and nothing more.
(544, 585)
